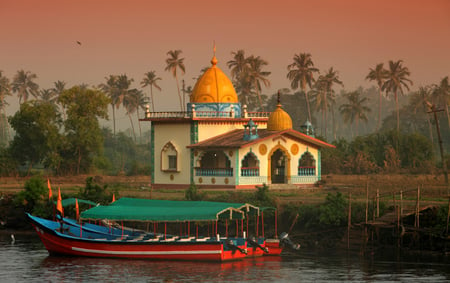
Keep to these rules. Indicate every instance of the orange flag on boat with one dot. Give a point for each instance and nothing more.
(50, 194)
(77, 208)
(59, 206)
(114, 198)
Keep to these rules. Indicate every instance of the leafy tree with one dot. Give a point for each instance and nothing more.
(301, 73)
(37, 126)
(173, 64)
(397, 78)
(192, 193)
(84, 137)
(151, 80)
(34, 197)
(23, 84)
(379, 74)
(96, 193)
(334, 211)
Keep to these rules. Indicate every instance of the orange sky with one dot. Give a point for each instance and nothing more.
(133, 37)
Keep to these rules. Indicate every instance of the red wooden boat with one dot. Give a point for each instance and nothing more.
(65, 237)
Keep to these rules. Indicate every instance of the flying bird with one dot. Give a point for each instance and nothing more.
(79, 43)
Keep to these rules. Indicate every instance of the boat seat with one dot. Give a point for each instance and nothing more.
(203, 239)
(188, 239)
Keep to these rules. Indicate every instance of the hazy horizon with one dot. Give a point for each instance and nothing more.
(133, 37)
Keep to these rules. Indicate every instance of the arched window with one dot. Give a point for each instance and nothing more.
(169, 158)
(214, 163)
(306, 165)
(250, 165)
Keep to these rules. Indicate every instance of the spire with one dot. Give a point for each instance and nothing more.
(214, 59)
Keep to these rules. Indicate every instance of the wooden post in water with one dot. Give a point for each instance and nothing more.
(378, 203)
(416, 222)
(349, 219)
(448, 215)
(367, 201)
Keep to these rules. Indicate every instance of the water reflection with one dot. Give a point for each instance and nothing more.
(28, 261)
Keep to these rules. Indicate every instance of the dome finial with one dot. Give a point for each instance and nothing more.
(214, 59)
(279, 98)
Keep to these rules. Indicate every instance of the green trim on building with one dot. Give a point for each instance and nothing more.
(152, 154)
(194, 139)
(236, 179)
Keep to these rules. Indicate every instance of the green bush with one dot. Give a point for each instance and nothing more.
(192, 193)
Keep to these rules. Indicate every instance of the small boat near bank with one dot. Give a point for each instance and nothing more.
(68, 237)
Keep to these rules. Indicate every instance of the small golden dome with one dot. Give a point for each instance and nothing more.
(214, 87)
(279, 120)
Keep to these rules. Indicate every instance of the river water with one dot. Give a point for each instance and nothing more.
(26, 260)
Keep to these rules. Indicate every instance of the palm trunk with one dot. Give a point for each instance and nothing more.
(132, 126)
(398, 112)
(379, 109)
(139, 123)
(179, 94)
(307, 106)
(114, 119)
(151, 96)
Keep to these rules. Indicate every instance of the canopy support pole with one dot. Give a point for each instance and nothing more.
(262, 223)
(276, 222)
(122, 230)
(226, 228)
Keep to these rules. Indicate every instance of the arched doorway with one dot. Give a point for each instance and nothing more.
(278, 167)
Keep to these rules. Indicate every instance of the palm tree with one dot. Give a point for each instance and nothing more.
(130, 103)
(5, 90)
(442, 94)
(151, 80)
(24, 85)
(173, 64)
(258, 76)
(325, 85)
(379, 75)
(397, 78)
(117, 88)
(354, 110)
(239, 65)
(301, 73)
(48, 95)
(60, 87)
(419, 101)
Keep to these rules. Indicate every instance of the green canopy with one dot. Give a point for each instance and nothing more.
(166, 210)
(71, 201)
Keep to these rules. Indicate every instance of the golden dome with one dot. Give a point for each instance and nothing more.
(214, 87)
(279, 120)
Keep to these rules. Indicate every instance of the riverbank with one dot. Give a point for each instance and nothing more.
(433, 187)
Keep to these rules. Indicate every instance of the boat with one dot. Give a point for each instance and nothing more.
(73, 238)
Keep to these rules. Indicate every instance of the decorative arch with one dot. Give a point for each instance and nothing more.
(169, 158)
(273, 164)
(307, 165)
(250, 165)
